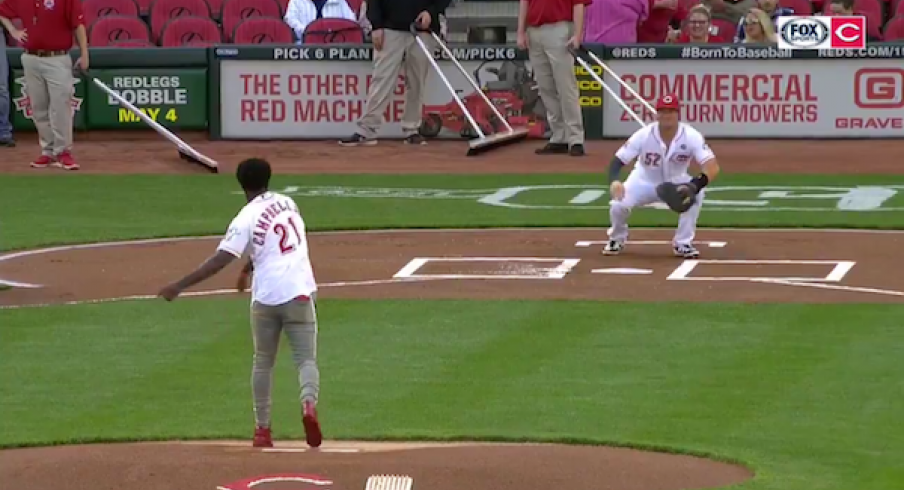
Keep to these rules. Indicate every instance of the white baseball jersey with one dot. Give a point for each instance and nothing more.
(661, 162)
(271, 230)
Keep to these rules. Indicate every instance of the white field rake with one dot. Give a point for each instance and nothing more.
(582, 52)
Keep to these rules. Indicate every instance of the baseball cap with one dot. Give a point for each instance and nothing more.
(668, 101)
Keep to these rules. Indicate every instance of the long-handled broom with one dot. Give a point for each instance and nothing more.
(483, 142)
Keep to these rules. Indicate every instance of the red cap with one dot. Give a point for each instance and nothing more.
(668, 101)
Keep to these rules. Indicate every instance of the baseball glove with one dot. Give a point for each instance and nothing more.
(679, 197)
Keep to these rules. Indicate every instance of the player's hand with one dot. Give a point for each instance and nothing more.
(617, 189)
(242, 283)
(377, 37)
(424, 19)
(575, 42)
(170, 292)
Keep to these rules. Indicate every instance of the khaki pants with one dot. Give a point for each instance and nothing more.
(49, 82)
(400, 50)
(298, 319)
(553, 66)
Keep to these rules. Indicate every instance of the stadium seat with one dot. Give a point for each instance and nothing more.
(894, 29)
(95, 9)
(216, 9)
(897, 8)
(262, 30)
(235, 11)
(190, 30)
(283, 7)
(144, 7)
(800, 7)
(333, 31)
(117, 28)
(355, 5)
(131, 43)
(162, 11)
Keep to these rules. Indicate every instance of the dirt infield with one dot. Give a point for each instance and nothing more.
(146, 152)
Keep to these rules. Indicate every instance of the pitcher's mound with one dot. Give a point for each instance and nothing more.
(234, 465)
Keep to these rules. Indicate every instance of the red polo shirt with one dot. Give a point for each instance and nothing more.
(49, 23)
(541, 12)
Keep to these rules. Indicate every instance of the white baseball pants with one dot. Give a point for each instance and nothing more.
(640, 192)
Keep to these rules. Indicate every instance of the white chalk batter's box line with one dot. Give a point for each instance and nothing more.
(839, 270)
(558, 271)
(591, 243)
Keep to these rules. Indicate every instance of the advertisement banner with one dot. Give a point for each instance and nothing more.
(767, 99)
(176, 99)
(321, 93)
(21, 108)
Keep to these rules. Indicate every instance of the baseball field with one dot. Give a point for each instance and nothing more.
(472, 336)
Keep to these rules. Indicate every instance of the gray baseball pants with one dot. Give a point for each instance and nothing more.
(298, 319)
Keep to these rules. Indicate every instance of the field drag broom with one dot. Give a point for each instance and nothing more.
(186, 152)
(577, 55)
(484, 142)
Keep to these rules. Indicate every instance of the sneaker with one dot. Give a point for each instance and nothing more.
(553, 149)
(415, 139)
(43, 161)
(576, 150)
(613, 248)
(262, 437)
(312, 433)
(66, 161)
(686, 251)
(358, 140)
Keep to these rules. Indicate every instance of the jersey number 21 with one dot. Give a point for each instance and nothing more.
(285, 236)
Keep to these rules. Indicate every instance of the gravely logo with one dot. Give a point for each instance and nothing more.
(23, 103)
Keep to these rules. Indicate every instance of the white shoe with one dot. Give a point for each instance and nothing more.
(686, 251)
(613, 248)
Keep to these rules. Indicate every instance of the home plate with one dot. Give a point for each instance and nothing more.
(621, 270)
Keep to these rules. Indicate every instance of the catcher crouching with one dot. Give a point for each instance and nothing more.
(663, 151)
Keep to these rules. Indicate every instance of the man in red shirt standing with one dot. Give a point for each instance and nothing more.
(47, 39)
(547, 29)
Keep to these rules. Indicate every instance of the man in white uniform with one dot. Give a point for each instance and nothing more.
(272, 232)
(664, 151)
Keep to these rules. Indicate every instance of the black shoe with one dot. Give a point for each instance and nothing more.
(415, 139)
(553, 149)
(358, 140)
(576, 150)
(10, 143)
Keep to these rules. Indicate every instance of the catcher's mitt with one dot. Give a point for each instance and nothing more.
(679, 197)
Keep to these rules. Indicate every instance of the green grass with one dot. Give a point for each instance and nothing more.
(800, 394)
(808, 396)
(42, 210)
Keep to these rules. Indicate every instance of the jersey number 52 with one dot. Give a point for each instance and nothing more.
(285, 237)
(651, 159)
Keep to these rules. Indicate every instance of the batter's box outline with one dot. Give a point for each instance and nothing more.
(839, 271)
(557, 272)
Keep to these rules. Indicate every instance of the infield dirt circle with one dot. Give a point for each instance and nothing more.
(737, 265)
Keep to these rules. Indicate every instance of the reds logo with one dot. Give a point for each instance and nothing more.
(23, 103)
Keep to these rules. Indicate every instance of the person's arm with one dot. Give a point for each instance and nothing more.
(295, 17)
(625, 155)
(577, 15)
(437, 7)
(522, 18)
(704, 155)
(217, 262)
(375, 14)
(7, 12)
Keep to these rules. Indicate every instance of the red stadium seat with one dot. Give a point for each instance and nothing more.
(144, 7)
(800, 7)
(897, 8)
(262, 30)
(190, 30)
(333, 31)
(117, 28)
(162, 11)
(131, 43)
(894, 29)
(283, 7)
(235, 11)
(216, 8)
(95, 9)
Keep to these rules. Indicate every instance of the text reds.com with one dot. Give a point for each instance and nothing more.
(821, 32)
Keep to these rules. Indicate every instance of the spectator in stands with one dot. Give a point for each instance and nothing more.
(6, 127)
(300, 13)
(615, 21)
(395, 48)
(46, 36)
(846, 7)
(699, 28)
(663, 15)
(730, 10)
(758, 28)
(771, 8)
(549, 29)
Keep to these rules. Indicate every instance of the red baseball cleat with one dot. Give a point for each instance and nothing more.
(262, 437)
(67, 162)
(43, 161)
(312, 432)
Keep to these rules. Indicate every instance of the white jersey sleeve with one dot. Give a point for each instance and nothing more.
(697, 143)
(633, 147)
(237, 237)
